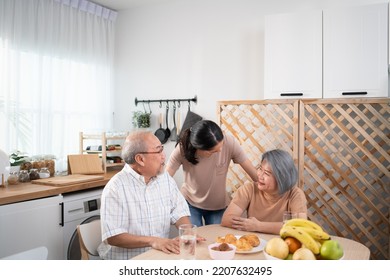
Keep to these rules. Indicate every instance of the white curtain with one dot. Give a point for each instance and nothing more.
(56, 74)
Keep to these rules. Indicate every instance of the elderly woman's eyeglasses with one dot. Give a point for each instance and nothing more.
(261, 171)
(159, 151)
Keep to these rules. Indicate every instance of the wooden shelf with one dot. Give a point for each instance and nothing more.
(103, 140)
(99, 152)
(115, 164)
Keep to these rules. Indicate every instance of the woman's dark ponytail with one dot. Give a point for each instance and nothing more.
(188, 150)
(203, 135)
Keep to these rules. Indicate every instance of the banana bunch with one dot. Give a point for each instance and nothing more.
(310, 234)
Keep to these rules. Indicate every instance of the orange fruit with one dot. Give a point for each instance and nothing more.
(293, 244)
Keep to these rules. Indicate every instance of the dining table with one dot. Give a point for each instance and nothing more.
(353, 250)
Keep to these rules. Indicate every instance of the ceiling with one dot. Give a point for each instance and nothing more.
(126, 4)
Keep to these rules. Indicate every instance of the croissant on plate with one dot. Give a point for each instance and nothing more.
(253, 239)
(230, 238)
(244, 243)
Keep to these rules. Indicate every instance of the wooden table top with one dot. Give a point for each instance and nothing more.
(352, 250)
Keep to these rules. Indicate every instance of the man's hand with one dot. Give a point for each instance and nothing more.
(167, 245)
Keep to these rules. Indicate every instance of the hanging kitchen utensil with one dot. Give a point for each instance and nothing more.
(190, 120)
(150, 110)
(167, 131)
(174, 130)
(178, 123)
(160, 133)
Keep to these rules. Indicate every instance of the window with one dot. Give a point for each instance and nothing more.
(51, 89)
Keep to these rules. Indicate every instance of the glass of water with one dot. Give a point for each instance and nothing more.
(287, 215)
(187, 235)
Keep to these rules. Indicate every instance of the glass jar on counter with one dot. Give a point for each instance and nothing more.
(24, 176)
(44, 173)
(13, 178)
(34, 175)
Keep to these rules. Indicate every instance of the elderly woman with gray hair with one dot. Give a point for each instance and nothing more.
(266, 200)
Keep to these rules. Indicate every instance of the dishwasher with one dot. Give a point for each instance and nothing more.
(78, 208)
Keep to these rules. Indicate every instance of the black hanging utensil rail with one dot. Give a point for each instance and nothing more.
(195, 100)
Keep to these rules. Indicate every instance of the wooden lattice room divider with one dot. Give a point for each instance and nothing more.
(342, 148)
(345, 168)
(259, 126)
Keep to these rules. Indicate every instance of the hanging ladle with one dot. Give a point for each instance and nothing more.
(167, 131)
(174, 132)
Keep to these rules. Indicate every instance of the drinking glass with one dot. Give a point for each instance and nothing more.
(287, 215)
(187, 235)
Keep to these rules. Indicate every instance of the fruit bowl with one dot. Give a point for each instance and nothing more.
(221, 255)
(269, 257)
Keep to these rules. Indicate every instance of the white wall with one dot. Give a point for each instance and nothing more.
(210, 48)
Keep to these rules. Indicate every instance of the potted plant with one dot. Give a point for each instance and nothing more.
(141, 119)
(17, 158)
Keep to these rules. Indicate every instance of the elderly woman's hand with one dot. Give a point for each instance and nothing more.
(250, 224)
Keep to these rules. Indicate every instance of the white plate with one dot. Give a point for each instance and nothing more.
(254, 249)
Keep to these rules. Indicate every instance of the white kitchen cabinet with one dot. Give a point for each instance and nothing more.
(356, 51)
(293, 55)
(31, 224)
(340, 52)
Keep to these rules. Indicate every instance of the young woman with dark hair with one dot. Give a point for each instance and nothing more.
(205, 153)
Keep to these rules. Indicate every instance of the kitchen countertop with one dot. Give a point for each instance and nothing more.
(27, 191)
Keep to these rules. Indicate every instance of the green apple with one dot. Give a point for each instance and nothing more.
(331, 250)
(289, 257)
